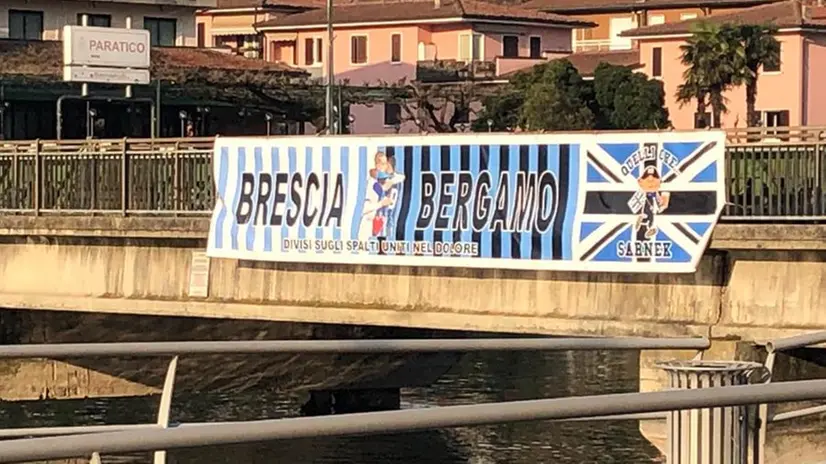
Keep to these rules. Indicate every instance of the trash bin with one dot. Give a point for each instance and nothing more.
(711, 435)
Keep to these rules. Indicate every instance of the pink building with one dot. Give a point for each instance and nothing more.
(385, 42)
(792, 95)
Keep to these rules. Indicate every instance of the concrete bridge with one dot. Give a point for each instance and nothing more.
(755, 282)
(120, 227)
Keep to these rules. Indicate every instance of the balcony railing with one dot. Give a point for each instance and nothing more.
(190, 3)
(454, 71)
(766, 180)
(599, 45)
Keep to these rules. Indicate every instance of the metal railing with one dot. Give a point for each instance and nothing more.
(134, 176)
(599, 45)
(767, 179)
(67, 442)
(407, 420)
(176, 349)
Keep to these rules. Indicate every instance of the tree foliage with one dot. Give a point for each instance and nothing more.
(721, 56)
(554, 96)
(628, 100)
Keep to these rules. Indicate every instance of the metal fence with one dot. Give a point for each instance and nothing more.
(128, 176)
(65, 442)
(776, 176)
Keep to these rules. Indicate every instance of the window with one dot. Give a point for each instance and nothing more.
(309, 52)
(701, 121)
(201, 34)
(657, 62)
(25, 25)
(510, 46)
(470, 47)
(396, 48)
(358, 49)
(96, 20)
(276, 52)
(687, 16)
(777, 118)
(656, 19)
(536, 47)
(312, 51)
(392, 114)
(162, 31)
(774, 68)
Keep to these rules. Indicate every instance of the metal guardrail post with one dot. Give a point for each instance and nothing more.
(709, 436)
(176, 182)
(124, 163)
(166, 405)
(37, 177)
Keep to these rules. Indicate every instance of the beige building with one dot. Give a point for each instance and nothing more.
(170, 22)
(230, 24)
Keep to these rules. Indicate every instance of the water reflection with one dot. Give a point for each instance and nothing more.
(477, 378)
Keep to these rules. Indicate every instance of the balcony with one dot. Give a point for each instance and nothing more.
(315, 72)
(454, 70)
(600, 45)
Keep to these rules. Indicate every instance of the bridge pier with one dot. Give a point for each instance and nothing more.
(370, 382)
(799, 440)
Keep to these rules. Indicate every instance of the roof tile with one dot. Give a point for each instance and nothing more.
(783, 14)
(583, 6)
(586, 62)
(45, 59)
(418, 10)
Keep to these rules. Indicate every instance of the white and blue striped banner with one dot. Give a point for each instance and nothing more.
(626, 202)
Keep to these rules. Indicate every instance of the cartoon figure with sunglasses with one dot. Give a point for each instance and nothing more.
(649, 201)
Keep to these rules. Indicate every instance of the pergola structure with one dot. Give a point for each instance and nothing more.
(212, 90)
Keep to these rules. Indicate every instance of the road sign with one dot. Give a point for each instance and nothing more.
(105, 75)
(104, 46)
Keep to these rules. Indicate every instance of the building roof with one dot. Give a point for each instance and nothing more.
(589, 6)
(45, 59)
(418, 11)
(239, 4)
(586, 62)
(787, 14)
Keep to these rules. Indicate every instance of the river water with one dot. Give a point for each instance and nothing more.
(477, 378)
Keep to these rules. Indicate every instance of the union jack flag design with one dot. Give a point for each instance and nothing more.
(617, 225)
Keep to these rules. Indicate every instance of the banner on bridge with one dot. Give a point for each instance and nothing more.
(620, 202)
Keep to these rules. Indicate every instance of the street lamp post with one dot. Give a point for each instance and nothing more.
(91, 113)
(182, 115)
(268, 117)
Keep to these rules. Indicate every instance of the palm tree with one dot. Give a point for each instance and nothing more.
(714, 57)
(760, 49)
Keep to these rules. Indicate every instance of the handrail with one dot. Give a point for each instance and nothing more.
(430, 345)
(754, 134)
(39, 432)
(768, 179)
(797, 341)
(408, 420)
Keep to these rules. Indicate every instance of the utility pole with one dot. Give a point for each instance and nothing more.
(330, 68)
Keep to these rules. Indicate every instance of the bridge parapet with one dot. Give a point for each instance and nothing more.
(781, 181)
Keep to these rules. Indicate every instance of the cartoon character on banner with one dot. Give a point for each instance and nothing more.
(648, 202)
(378, 218)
